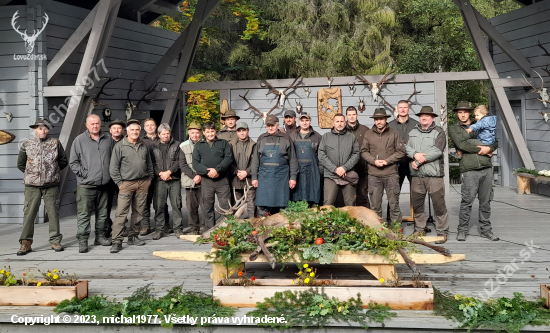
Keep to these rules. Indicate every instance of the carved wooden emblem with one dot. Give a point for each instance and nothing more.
(325, 109)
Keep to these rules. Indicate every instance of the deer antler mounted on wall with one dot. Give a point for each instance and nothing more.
(261, 115)
(409, 100)
(374, 87)
(281, 95)
(546, 53)
(329, 81)
(545, 115)
(362, 105)
(131, 107)
(351, 89)
(543, 92)
(306, 91)
(95, 99)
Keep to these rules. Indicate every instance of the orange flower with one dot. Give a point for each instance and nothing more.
(252, 279)
(240, 273)
(24, 274)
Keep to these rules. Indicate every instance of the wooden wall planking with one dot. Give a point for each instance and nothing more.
(523, 28)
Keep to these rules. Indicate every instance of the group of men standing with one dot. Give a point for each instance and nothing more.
(294, 163)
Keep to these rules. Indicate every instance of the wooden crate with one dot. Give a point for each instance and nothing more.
(402, 298)
(545, 293)
(43, 295)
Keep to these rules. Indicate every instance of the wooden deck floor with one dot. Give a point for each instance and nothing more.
(118, 275)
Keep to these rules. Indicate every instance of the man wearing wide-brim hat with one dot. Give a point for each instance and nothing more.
(476, 171)
(41, 159)
(382, 148)
(426, 145)
(229, 131)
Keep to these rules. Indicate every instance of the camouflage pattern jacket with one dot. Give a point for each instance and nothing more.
(41, 161)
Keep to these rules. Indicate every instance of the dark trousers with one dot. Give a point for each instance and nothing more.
(363, 190)
(209, 189)
(193, 201)
(377, 185)
(435, 186)
(165, 190)
(480, 183)
(88, 200)
(330, 191)
(33, 196)
(132, 193)
(404, 172)
(146, 220)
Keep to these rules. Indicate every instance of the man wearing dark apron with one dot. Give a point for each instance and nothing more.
(306, 144)
(274, 168)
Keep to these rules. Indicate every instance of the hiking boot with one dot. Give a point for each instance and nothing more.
(194, 232)
(145, 231)
(461, 237)
(419, 233)
(443, 241)
(158, 235)
(102, 240)
(168, 229)
(178, 233)
(489, 235)
(83, 247)
(134, 240)
(25, 247)
(116, 247)
(57, 247)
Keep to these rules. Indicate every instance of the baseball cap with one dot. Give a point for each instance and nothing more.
(290, 113)
(271, 120)
(242, 124)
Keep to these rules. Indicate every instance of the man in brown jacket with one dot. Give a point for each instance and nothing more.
(229, 131)
(382, 148)
(359, 131)
(243, 147)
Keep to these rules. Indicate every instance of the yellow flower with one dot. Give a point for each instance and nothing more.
(39, 284)
(309, 269)
(340, 309)
(292, 281)
(55, 277)
(49, 274)
(159, 310)
(306, 265)
(300, 273)
(2, 271)
(8, 273)
(311, 274)
(306, 280)
(54, 271)
(457, 297)
(382, 280)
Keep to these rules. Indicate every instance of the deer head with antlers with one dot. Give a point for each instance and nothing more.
(374, 87)
(131, 107)
(29, 40)
(299, 108)
(351, 89)
(329, 81)
(306, 91)
(280, 95)
(543, 92)
(95, 99)
(362, 105)
(261, 115)
(239, 207)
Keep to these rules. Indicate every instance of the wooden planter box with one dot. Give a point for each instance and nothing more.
(43, 295)
(402, 298)
(545, 293)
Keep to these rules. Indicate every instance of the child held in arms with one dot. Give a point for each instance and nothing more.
(485, 127)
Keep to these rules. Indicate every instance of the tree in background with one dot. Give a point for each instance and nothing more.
(202, 105)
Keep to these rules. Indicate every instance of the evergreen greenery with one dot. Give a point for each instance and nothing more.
(314, 308)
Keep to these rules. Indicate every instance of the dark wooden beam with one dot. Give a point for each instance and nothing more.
(509, 120)
(130, 8)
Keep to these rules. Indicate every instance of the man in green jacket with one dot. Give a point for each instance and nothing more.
(476, 175)
(382, 148)
(190, 180)
(41, 159)
(243, 147)
(425, 147)
(131, 169)
(211, 159)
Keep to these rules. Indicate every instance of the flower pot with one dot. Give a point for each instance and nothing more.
(43, 295)
(404, 297)
(545, 293)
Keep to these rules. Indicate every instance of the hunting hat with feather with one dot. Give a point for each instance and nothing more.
(41, 122)
(230, 113)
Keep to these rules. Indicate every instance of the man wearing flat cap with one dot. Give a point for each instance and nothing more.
(41, 159)
(229, 131)
(425, 147)
(243, 147)
(131, 169)
(116, 128)
(306, 145)
(476, 175)
(274, 168)
(383, 148)
(290, 122)
(190, 180)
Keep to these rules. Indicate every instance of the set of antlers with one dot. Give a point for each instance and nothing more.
(239, 207)
(261, 115)
(131, 107)
(394, 109)
(374, 87)
(95, 99)
(280, 95)
(543, 92)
